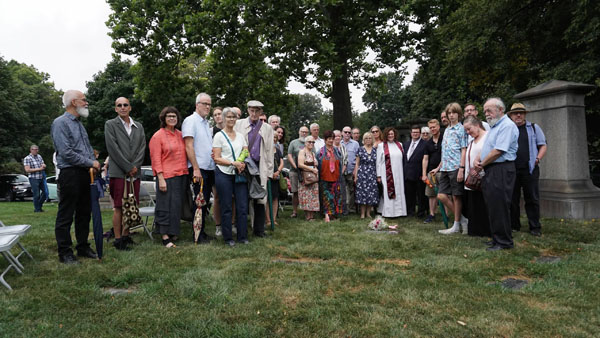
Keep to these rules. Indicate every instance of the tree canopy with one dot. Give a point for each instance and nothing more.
(256, 46)
(28, 105)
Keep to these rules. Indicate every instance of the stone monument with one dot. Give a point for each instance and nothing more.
(566, 190)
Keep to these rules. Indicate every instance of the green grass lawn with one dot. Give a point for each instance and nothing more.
(309, 279)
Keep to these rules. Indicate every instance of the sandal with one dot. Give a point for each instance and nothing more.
(293, 215)
(168, 243)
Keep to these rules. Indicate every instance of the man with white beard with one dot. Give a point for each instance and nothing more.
(498, 160)
(75, 157)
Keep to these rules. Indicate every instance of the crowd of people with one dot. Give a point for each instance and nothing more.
(235, 160)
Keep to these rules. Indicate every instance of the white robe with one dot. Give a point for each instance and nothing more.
(397, 206)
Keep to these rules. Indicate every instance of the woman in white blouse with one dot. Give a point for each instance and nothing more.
(227, 147)
(476, 210)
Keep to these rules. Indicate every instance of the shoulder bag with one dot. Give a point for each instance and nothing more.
(308, 177)
(131, 212)
(473, 180)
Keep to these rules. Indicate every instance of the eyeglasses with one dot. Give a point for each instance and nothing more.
(374, 131)
(346, 132)
(264, 120)
(310, 141)
(206, 104)
(123, 105)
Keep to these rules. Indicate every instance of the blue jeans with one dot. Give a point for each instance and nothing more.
(37, 188)
(226, 188)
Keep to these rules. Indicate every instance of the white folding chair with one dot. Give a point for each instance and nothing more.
(7, 242)
(147, 212)
(20, 231)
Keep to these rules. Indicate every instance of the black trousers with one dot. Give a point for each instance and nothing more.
(258, 225)
(208, 176)
(414, 192)
(497, 187)
(530, 184)
(74, 200)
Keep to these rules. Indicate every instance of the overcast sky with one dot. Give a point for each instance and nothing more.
(37, 32)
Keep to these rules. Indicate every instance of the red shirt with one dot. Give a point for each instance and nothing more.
(167, 152)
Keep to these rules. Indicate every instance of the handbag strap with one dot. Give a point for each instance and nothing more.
(232, 151)
(469, 154)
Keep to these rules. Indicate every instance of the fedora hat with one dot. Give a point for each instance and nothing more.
(517, 108)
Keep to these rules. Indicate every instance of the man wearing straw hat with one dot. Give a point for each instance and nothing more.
(532, 148)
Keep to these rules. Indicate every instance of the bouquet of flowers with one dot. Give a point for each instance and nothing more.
(378, 223)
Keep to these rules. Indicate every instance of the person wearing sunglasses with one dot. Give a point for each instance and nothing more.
(126, 146)
(377, 136)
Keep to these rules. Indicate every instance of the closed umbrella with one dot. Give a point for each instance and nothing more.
(442, 209)
(96, 191)
(200, 202)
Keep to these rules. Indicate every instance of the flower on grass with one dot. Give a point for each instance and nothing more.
(378, 224)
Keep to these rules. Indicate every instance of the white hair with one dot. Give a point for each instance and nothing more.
(227, 110)
(69, 96)
(496, 101)
(425, 130)
(201, 95)
(309, 138)
(313, 125)
(273, 117)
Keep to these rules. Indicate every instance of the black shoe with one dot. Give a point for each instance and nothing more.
(244, 241)
(119, 244)
(536, 233)
(128, 240)
(205, 237)
(87, 253)
(429, 219)
(489, 243)
(262, 235)
(68, 259)
(496, 248)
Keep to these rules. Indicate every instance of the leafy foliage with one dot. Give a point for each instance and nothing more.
(255, 46)
(28, 105)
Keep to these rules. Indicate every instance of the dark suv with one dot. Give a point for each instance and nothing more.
(13, 186)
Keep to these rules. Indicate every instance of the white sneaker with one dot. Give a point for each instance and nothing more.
(218, 231)
(465, 229)
(464, 222)
(455, 228)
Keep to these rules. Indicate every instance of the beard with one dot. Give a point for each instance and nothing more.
(492, 121)
(82, 111)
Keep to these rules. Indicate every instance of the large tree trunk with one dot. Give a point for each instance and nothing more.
(340, 97)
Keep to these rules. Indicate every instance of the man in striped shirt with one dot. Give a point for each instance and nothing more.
(34, 167)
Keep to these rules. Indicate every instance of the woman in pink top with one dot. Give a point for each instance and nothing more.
(169, 164)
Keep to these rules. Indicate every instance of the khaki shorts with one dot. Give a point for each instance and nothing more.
(430, 192)
(449, 185)
(294, 181)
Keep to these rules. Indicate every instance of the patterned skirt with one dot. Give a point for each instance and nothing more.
(331, 197)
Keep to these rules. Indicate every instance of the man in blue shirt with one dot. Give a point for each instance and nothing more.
(498, 160)
(197, 136)
(74, 156)
(532, 148)
(352, 149)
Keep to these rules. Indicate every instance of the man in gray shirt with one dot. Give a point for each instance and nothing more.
(126, 145)
(74, 157)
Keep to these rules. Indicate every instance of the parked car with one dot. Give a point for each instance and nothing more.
(148, 180)
(13, 186)
(52, 192)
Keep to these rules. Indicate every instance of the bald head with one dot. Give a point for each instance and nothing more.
(123, 108)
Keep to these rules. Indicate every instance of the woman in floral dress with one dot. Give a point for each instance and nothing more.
(365, 176)
(307, 193)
